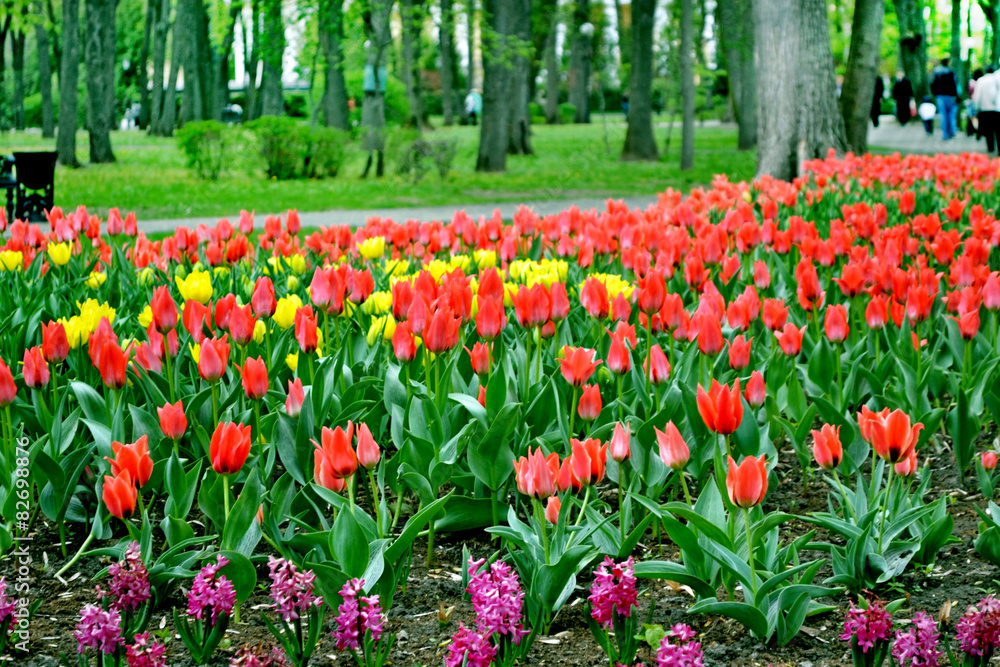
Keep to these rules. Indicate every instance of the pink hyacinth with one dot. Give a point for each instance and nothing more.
(868, 626)
(613, 591)
(466, 643)
(98, 629)
(7, 606)
(918, 646)
(259, 656)
(356, 616)
(678, 648)
(211, 590)
(978, 631)
(146, 652)
(129, 585)
(497, 599)
(291, 590)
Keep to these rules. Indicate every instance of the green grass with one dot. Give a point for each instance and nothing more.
(151, 178)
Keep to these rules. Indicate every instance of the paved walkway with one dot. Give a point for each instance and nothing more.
(911, 138)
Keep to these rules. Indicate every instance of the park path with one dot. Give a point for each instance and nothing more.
(889, 136)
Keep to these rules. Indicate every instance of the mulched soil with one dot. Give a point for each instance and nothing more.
(959, 576)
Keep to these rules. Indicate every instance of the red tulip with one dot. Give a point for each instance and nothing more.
(491, 319)
(775, 314)
(790, 339)
(989, 460)
(968, 324)
(621, 309)
(360, 286)
(8, 390)
(213, 358)
(491, 285)
(867, 420)
(133, 458)
(196, 318)
(827, 449)
(119, 495)
(35, 370)
(255, 380)
(620, 446)
(835, 323)
(441, 333)
(877, 313)
(241, 325)
(536, 474)
(296, 397)
(336, 457)
(55, 345)
(590, 403)
(532, 305)
(402, 297)
(306, 331)
(164, 309)
(229, 448)
(482, 395)
(594, 298)
(552, 507)
(651, 290)
(98, 339)
(173, 421)
(223, 311)
(709, 336)
(114, 363)
(589, 460)
(144, 355)
(368, 452)
(761, 276)
(479, 356)
(404, 346)
(162, 344)
(263, 300)
(560, 302)
(991, 292)
(721, 408)
(327, 290)
(660, 372)
(756, 390)
(674, 452)
(747, 484)
(578, 365)
(739, 353)
(908, 466)
(619, 360)
(893, 437)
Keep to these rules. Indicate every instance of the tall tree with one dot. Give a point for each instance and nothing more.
(640, 142)
(44, 53)
(17, 51)
(581, 51)
(222, 73)
(99, 57)
(412, 19)
(913, 43)
(161, 30)
(552, 71)
(446, 44)
(251, 60)
(470, 45)
(273, 47)
(379, 40)
(520, 78)
(991, 10)
(494, 133)
(955, 51)
(858, 91)
(147, 37)
(69, 73)
(331, 35)
(688, 91)
(797, 118)
(736, 25)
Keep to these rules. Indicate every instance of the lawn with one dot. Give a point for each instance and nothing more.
(151, 178)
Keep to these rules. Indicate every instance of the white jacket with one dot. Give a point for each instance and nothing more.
(987, 92)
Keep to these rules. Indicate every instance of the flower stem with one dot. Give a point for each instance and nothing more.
(572, 413)
(540, 515)
(375, 503)
(225, 499)
(750, 559)
(684, 485)
(843, 496)
(215, 405)
(885, 506)
(168, 367)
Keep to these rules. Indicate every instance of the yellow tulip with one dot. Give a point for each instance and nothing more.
(293, 283)
(372, 248)
(379, 303)
(259, 330)
(74, 335)
(91, 312)
(11, 260)
(60, 253)
(146, 317)
(284, 313)
(195, 351)
(292, 361)
(96, 279)
(297, 263)
(486, 259)
(146, 276)
(397, 267)
(383, 327)
(196, 286)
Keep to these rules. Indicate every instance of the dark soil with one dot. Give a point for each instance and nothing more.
(959, 577)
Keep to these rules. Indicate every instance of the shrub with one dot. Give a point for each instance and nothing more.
(567, 113)
(203, 143)
(421, 155)
(397, 106)
(281, 146)
(325, 152)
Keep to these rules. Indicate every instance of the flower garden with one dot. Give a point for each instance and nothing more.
(753, 424)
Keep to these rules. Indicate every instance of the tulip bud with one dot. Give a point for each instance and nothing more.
(674, 452)
(747, 483)
(173, 421)
(482, 395)
(739, 353)
(620, 448)
(368, 452)
(989, 460)
(827, 449)
(296, 397)
(755, 391)
(479, 356)
(590, 402)
(552, 507)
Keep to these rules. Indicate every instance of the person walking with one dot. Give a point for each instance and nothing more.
(902, 94)
(944, 87)
(926, 111)
(985, 98)
(877, 99)
(474, 105)
(971, 110)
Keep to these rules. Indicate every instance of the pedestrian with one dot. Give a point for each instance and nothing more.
(984, 99)
(902, 93)
(877, 99)
(944, 87)
(473, 105)
(971, 110)
(625, 105)
(927, 110)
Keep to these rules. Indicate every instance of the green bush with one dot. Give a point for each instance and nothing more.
(397, 106)
(325, 153)
(296, 105)
(567, 113)
(421, 155)
(203, 143)
(281, 145)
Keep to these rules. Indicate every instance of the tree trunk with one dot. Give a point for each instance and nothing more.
(736, 21)
(624, 35)
(412, 16)
(186, 29)
(957, 65)
(69, 74)
(44, 73)
(147, 35)
(797, 118)
(688, 91)
(640, 141)
(579, 61)
(272, 90)
(251, 62)
(331, 36)
(17, 50)
(493, 136)
(913, 43)
(161, 28)
(552, 73)
(520, 80)
(168, 119)
(470, 37)
(223, 74)
(206, 64)
(447, 46)
(379, 38)
(99, 57)
(858, 92)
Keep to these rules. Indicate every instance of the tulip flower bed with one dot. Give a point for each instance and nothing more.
(750, 425)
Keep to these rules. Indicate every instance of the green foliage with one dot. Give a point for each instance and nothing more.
(397, 106)
(567, 113)
(424, 154)
(293, 150)
(204, 144)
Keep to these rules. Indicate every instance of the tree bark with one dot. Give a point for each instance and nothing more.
(412, 16)
(161, 29)
(335, 89)
(379, 39)
(44, 72)
(688, 91)
(797, 118)
(186, 29)
(579, 62)
(520, 79)
(17, 51)
(736, 24)
(447, 46)
(470, 38)
(552, 73)
(493, 136)
(957, 64)
(251, 62)
(168, 119)
(223, 74)
(640, 141)
(272, 90)
(913, 43)
(68, 78)
(99, 57)
(858, 92)
(624, 35)
(991, 45)
(147, 36)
